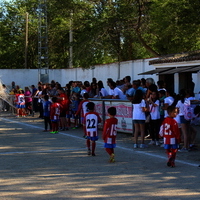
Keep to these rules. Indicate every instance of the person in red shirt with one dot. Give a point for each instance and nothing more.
(91, 121)
(55, 115)
(110, 132)
(64, 102)
(170, 132)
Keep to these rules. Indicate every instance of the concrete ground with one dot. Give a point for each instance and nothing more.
(39, 165)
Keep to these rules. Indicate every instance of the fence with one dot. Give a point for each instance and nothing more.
(124, 112)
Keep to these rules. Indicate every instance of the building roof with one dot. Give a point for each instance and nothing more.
(180, 57)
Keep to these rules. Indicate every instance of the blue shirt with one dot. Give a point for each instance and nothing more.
(46, 108)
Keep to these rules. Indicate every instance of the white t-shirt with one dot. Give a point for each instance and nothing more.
(110, 91)
(119, 93)
(155, 113)
(138, 114)
(83, 92)
(104, 92)
(168, 100)
(180, 106)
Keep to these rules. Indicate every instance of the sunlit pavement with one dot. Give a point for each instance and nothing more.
(40, 165)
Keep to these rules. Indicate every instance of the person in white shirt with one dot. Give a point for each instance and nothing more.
(185, 124)
(110, 91)
(117, 93)
(139, 117)
(168, 101)
(102, 92)
(153, 102)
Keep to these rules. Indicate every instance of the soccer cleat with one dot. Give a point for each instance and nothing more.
(93, 154)
(112, 158)
(157, 143)
(89, 152)
(183, 150)
(142, 146)
(152, 142)
(53, 132)
(135, 146)
(170, 162)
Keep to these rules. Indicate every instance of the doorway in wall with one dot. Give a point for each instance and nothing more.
(169, 81)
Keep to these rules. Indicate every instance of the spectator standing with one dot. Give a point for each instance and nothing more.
(76, 88)
(40, 101)
(28, 101)
(168, 101)
(102, 91)
(117, 93)
(35, 98)
(46, 113)
(162, 96)
(153, 102)
(185, 124)
(150, 84)
(83, 90)
(139, 117)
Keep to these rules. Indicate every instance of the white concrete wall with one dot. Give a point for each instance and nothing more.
(27, 77)
(22, 77)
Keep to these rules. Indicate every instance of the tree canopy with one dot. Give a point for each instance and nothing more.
(104, 31)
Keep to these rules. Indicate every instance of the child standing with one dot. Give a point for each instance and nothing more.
(153, 102)
(74, 107)
(83, 110)
(20, 104)
(109, 133)
(91, 120)
(46, 113)
(139, 109)
(170, 131)
(55, 115)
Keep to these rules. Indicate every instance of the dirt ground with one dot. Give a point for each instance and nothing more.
(39, 165)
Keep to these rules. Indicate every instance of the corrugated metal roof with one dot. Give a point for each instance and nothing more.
(181, 57)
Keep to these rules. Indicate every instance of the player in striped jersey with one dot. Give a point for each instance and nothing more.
(110, 132)
(91, 121)
(55, 115)
(83, 110)
(170, 131)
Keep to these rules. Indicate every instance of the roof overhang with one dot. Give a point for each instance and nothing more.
(172, 70)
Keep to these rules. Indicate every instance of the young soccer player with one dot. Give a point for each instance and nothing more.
(55, 115)
(46, 113)
(20, 103)
(170, 131)
(83, 110)
(110, 132)
(74, 107)
(91, 120)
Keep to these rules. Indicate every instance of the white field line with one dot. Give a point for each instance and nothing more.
(98, 142)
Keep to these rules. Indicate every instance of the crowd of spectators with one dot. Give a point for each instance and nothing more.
(148, 99)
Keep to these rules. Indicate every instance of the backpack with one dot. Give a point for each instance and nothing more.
(187, 111)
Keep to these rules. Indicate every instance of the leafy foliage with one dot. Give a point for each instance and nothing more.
(104, 31)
